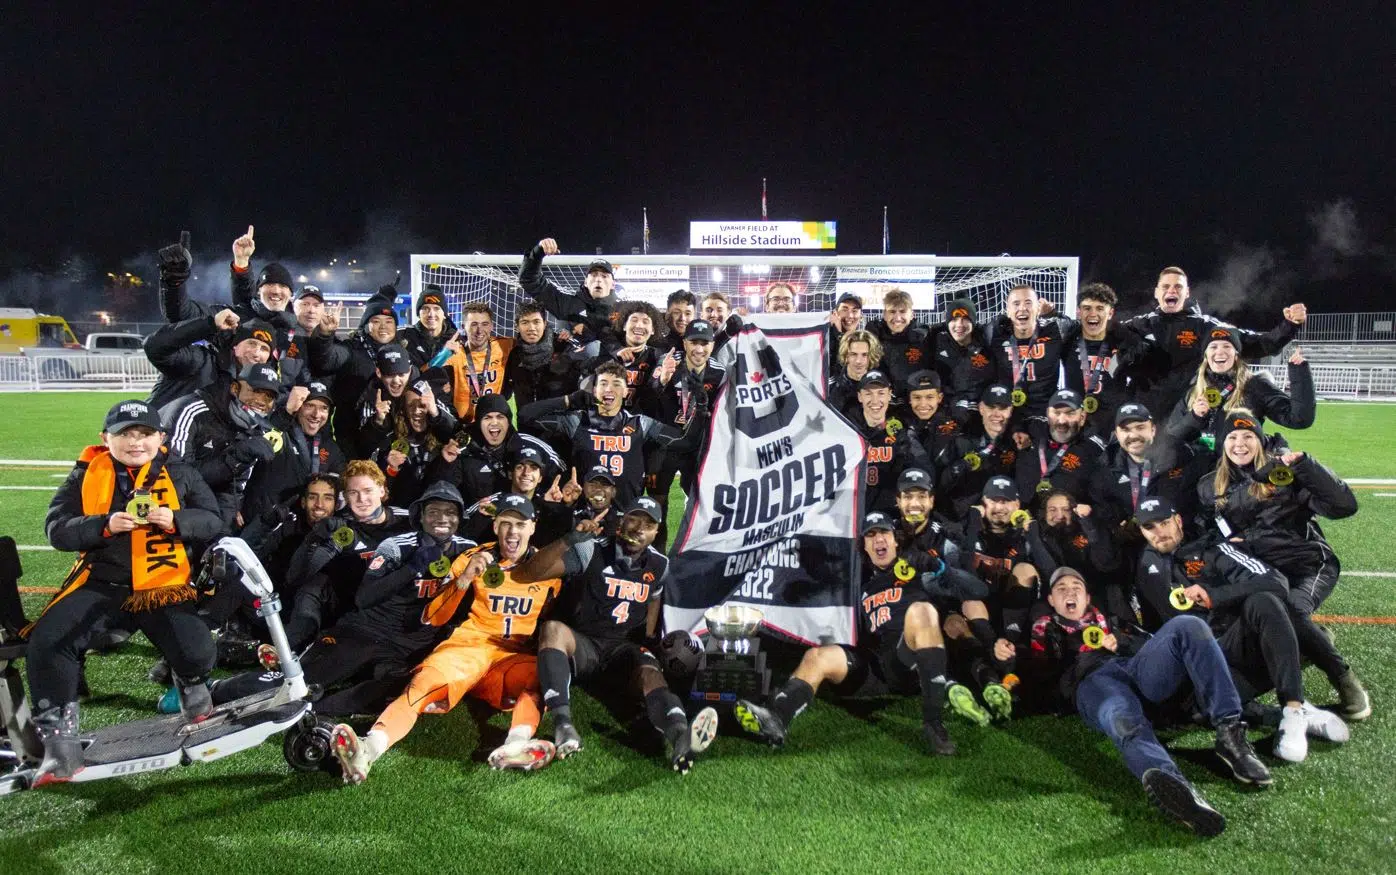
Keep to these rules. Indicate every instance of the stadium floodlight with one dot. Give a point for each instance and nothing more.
(817, 279)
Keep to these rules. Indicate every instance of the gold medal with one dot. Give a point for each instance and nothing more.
(903, 571)
(894, 425)
(1213, 396)
(1093, 637)
(275, 438)
(973, 460)
(440, 567)
(1019, 519)
(1281, 475)
(1044, 487)
(342, 537)
(1019, 397)
(493, 577)
(1179, 599)
(1090, 404)
(402, 446)
(140, 508)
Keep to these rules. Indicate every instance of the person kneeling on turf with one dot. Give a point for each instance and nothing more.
(610, 606)
(1109, 677)
(487, 656)
(905, 649)
(132, 511)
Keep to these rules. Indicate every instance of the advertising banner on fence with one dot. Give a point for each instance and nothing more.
(871, 283)
(650, 282)
(762, 235)
(774, 523)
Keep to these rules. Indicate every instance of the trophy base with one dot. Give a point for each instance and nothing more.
(739, 673)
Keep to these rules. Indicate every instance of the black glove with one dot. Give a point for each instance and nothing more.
(176, 262)
(283, 514)
(252, 448)
(388, 289)
(734, 325)
(580, 400)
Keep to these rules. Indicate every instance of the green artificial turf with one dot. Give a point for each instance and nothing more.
(851, 791)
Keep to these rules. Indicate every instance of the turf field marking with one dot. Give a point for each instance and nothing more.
(38, 590)
(1385, 494)
(28, 488)
(1368, 573)
(34, 548)
(1355, 621)
(36, 463)
(1370, 481)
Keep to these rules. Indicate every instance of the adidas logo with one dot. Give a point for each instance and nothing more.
(1153, 569)
(944, 354)
(1124, 478)
(208, 445)
(551, 694)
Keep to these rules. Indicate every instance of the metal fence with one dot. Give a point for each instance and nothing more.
(1350, 327)
(76, 372)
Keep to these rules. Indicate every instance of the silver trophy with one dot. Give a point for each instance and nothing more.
(732, 666)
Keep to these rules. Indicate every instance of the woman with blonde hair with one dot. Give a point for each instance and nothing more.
(1225, 384)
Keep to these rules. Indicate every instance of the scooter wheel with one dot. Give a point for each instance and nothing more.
(306, 746)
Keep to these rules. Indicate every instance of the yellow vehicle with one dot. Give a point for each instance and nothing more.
(21, 327)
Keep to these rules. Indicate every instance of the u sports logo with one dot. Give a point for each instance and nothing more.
(766, 385)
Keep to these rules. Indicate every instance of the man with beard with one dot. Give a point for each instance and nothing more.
(982, 453)
(203, 352)
(477, 460)
(417, 429)
(1003, 547)
(365, 658)
(592, 305)
(1075, 537)
(332, 560)
(903, 344)
(277, 534)
(479, 367)
(224, 432)
(675, 391)
(960, 355)
(424, 340)
(859, 352)
(679, 312)
(543, 364)
(1144, 462)
(637, 320)
(926, 420)
(779, 298)
(890, 449)
(1027, 350)
(554, 516)
(1177, 332)
(605, 628)
(1060, 455)
(306, 449)
(353, 363)
(599, 431)
(1098, 355)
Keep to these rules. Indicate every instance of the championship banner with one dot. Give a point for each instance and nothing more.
(774, 520)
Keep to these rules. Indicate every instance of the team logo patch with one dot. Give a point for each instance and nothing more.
(376, 564)
(1193, 567)
(978, 360)
(1187, 338)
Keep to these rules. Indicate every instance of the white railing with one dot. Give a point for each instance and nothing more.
(1350, 327)
(79, 371)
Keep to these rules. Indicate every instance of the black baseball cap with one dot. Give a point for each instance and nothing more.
(310, 292)
(125, 414)
(516, 504)
(915, 478)
(1065, 398)
(319, 391)
(874, 378)
(923, 380)
(260, 377)
(997, 396)
(877, 521)
(254, 329)
(602, 265)
(849, 298)
(600, 472)
(699, 330)
(1153, 509)
(392, 360)
(530, 455)
(1001, 488)
(647, 506)
(1132, 412)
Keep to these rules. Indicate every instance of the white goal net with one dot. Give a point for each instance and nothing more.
(817, 280)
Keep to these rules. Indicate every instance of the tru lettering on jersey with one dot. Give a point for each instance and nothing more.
(875, 606)
(519, 606)
(879, 454)
(607, 443)
(627, 590)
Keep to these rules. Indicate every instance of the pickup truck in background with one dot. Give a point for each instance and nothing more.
(99, 357)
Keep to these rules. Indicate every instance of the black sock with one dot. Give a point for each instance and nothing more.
(983, 632)
(555, 680)
(666, 713)
(930, 665)
(792, 698)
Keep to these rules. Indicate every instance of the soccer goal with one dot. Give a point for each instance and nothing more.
(817, 281)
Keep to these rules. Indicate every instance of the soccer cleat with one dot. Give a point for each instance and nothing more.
(938, 739)
(962, 702)
(1353, 701)
(525, 756)
(1176, 797)
(268, 657)
(681, 754)
(566, 740)
(999, 701)
(1291, 741)
(1324, 724)
(703, 730)
(761, 721)
(1239, 756)
(355, 759)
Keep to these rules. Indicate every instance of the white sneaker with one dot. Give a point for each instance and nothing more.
(702, 730)
(526, 756)
(1325, 724)
(354, 754)
(1291, 743)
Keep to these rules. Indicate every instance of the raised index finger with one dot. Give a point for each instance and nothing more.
(249, 231)
(184, 239)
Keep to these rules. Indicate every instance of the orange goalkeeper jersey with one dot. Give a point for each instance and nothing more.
(507, 614)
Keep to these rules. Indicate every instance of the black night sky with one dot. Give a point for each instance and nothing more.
(1252, 145)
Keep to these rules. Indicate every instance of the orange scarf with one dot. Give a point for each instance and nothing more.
(160, 569)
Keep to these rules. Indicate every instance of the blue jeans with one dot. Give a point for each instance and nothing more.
(1109, 699)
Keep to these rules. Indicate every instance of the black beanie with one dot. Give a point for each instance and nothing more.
(274, 274)
(431, 294)
(491, 404)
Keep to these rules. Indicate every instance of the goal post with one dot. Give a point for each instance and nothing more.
(817, 280)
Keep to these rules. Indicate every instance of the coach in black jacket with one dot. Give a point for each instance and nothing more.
(353, 362)
(203, 351)
(305, 449)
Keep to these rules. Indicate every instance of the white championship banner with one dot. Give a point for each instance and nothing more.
(774, 521)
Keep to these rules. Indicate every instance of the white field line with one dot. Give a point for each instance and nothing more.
(36, 463)
(28, 488)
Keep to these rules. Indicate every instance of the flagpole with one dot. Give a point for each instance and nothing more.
(645, 247)
(763, 198)
(886, 236)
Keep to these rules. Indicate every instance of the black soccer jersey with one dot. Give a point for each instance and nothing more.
(888, 592)
(606, 593)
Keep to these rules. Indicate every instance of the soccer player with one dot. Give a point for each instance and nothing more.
(985, 451)
(926, 419)
(137, 516)
(487, 655)
(431, 332)
(846, 316)
(1027, 350)
(891, 449)
(591, 305)
(1099, 353)
(634, 351)
(478, 459)
(1004, 548)
(608, 614)
(1060, 456)
(960, 354)
(903, 344)
(352, 362)
(680, 311)
(903, 648)
(306, 450)
(1140, 463)
(859, 351)
(200, 352)
(1075, 537)
(543, 364)
(477, 367)
(411, 437)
